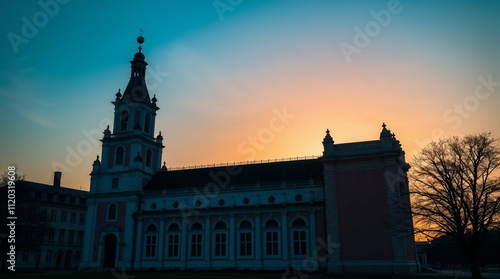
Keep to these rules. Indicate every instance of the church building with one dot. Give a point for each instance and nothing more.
(347, 211)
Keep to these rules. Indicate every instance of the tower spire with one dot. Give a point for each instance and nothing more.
(136, 90)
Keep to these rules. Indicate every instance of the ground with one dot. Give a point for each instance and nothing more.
(213, 275)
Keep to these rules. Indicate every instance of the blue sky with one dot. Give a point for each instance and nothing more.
(223, 70)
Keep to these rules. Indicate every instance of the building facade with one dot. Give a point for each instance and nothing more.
(50, 225)
(345, 211)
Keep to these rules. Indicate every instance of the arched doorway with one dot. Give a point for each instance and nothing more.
(67, 259)
(109, 256)
(59, 258)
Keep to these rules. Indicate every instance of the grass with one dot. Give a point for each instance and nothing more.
(204, 275)
(393, 277)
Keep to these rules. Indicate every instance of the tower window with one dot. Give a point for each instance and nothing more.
(147, 121)
(114, 183)
(119, 155)
(124, 123)
(112, 212)
(148, 158)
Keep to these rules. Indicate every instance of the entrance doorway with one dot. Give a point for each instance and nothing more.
(109, 257)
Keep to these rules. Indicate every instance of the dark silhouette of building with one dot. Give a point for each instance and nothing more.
(49, 226)
(345, 211)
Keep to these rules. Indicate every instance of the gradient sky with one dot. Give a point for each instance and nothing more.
(223, 71)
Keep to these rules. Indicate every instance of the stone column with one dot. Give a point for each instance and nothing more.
(161, 246)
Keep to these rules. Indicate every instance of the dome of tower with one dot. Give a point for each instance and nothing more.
(139, 55)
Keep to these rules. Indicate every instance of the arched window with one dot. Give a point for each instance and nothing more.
(196, 240)
(173, 241)
(220, 226)
(151, 228)
(151, 236)
(299, 222)
(173, 227)
(271, 224)
(246, 239)
(196, 226)
(299, 237)
(148, 158)
(119, 155)
(111, 212)
(124, 120)
(272, 238)
(147, 120)
(220, 239)
(245, 225)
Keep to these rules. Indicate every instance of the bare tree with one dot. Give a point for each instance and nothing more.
(455, 191)
(4, 178)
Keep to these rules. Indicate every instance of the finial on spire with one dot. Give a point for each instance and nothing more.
(97, 162)
(328, 144)
(385, 133)
(328, 138)
(140, 40)
(118, 95)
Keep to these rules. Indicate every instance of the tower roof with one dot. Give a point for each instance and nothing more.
(137, 90)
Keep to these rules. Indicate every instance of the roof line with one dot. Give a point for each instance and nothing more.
(298, 158)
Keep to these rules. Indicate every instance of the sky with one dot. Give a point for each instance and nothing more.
(243, 80)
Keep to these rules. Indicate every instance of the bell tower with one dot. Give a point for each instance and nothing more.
(131, 154)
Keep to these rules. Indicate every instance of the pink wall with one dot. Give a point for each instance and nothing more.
(101, 223)
(363, 215)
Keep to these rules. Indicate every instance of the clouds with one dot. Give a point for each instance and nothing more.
(19, 95)
(37, 118)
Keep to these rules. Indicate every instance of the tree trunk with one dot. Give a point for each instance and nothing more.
(474, 267)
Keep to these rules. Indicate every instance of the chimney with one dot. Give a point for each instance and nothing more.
(57, 179)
